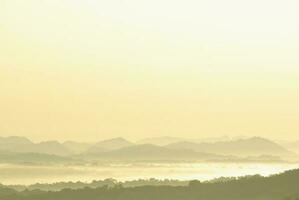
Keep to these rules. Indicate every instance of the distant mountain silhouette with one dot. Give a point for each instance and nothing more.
(24, 145)
(35, 158)
(251, 149)
(77, 147)
(293, 146)
(15, 144)
(255, 146)
(108, 145)
(13, 140)
(161, 141)
(52, 147)
(214, 139)
(149, 152)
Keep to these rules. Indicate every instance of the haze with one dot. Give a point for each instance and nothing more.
(85, 70)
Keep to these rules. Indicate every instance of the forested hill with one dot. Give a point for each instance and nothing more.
(284, 186)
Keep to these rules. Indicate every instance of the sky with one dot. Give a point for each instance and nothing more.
(94, 69)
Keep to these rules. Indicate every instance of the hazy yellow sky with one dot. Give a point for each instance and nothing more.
(91, 69)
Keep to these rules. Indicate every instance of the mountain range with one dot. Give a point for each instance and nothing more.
(254, 146)
(163, 148)
(150, 152)
(24, 145)
(109, 145)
